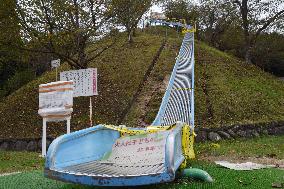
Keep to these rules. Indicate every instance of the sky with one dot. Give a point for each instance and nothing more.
(157, 8)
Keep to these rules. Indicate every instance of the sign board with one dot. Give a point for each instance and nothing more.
(85, 81)
(56, 99)
(145, 148)
(158, 16)
(55, 63)
(55, 104)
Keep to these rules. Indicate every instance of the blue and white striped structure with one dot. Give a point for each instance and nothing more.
(178, 101)
(101, 156)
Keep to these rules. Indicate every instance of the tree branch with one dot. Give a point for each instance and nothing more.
(237, 2)
(99, 53)
(268, 22)
(69, 60)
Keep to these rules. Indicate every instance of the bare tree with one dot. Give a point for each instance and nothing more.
(128, 13)
(258, 16)
(63, 28)
(215, 17)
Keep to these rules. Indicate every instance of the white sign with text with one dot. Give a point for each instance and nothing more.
(55, 99)
(138, 149)
(85, 81)
(55, 104)
(55, 63)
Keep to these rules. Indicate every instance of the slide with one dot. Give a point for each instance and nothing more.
(106, 155)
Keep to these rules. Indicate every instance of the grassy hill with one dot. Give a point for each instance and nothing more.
(228, 91)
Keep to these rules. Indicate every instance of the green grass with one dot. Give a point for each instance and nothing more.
(19, 161)
(265, 146)
(223, 178)
(237, 93)
(120, 69)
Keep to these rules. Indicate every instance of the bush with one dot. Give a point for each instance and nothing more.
(15, 82)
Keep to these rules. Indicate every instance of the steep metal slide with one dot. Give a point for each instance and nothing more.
(107, 155)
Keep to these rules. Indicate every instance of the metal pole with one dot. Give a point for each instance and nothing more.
(68, 125)
(43, 144)
(91, 112)
(166, 31)
(192, 85)
(56, 73)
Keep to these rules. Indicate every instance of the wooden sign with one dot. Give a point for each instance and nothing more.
(85, 81)
(56, 99)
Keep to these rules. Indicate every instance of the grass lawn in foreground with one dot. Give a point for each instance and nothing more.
(19, 161)
(223, 178)
(264, 146)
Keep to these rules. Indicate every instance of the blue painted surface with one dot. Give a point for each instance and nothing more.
(113, 181)
(59, 152)
(69, 148)
(190, 106)
(193, 88)
(161, 111)
(172, 23)
(81, 146)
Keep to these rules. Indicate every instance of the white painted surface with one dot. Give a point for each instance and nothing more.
(56, 98)
(242, 166)
(7, 174)
(55, 63)
(55, 104)
(85, 81)
(43, 143)
(147, 149)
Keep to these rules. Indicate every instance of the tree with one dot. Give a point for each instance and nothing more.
(128, 13)
(10, 30)
(269, 53)
(178, 9)
(258, 16)
(63, 28)
(215, 17)
(182, 9)
(10, 57)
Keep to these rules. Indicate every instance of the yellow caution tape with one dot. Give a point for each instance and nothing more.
(187, 137)
(187, 144)
(128, 131)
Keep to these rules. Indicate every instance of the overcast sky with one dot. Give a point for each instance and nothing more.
(156, 8)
